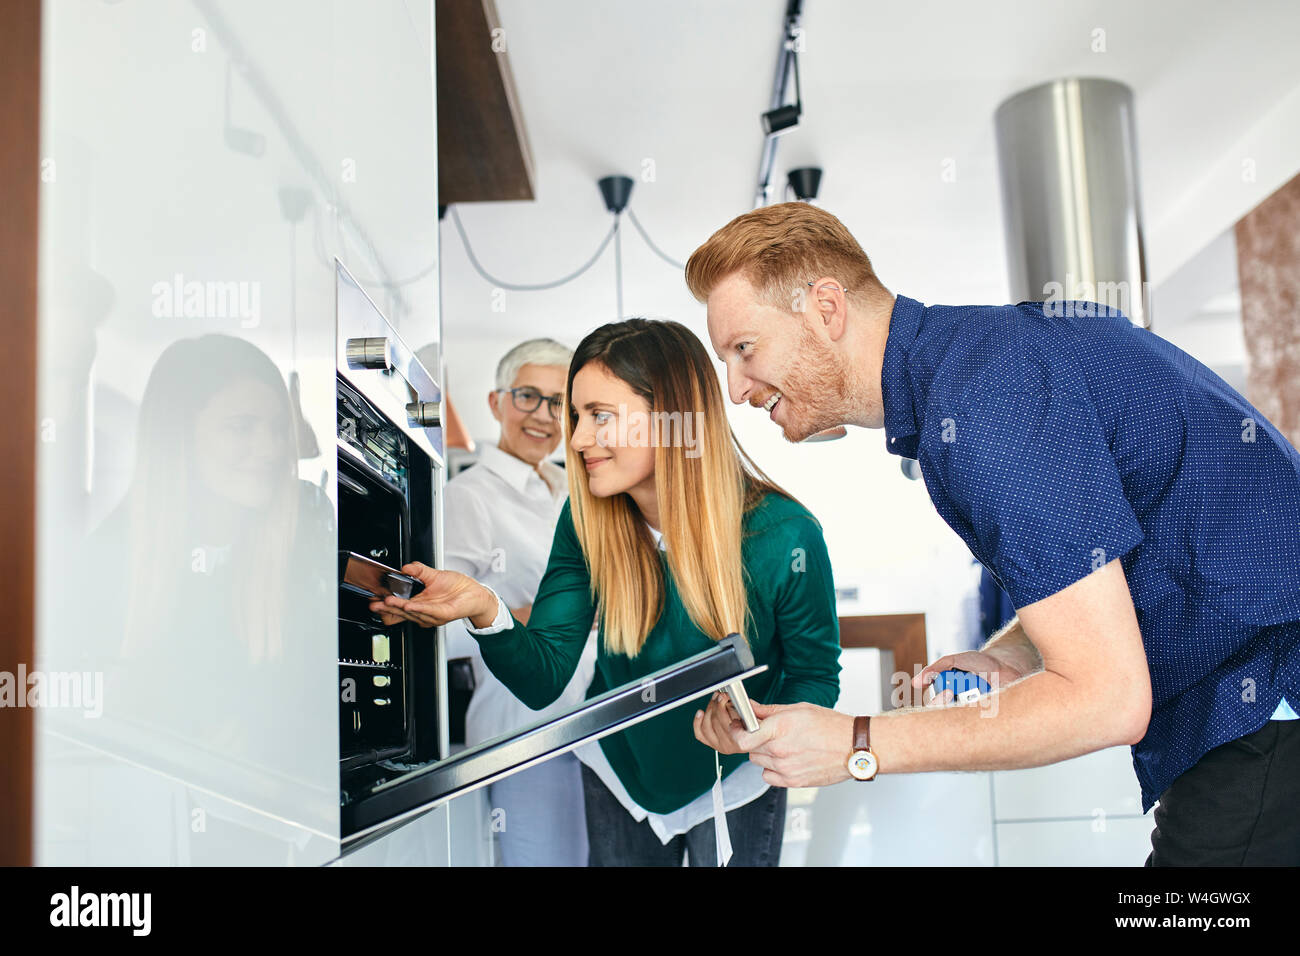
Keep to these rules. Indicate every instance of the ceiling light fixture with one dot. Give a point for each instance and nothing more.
(781, 117)
(805, 182)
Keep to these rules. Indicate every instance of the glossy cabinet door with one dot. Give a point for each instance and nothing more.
(204, 164)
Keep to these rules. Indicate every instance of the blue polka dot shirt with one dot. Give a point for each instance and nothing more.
(1055, 437)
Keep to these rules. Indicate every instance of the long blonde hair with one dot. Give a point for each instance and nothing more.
(703, 479)
(167, 497)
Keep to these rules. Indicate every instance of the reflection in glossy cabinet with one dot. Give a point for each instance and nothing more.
(200, 180)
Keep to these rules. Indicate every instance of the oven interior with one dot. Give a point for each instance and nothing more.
(388, 706)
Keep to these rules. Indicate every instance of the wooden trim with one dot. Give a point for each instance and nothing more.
(483, 153)
(904, 634)
(20, 118)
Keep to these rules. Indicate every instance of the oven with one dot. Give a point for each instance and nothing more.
(388, 694)
(391, 680)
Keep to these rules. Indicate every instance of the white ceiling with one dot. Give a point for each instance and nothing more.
(891, 91)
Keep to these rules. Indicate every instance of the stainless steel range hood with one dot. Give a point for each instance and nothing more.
(1070, 199)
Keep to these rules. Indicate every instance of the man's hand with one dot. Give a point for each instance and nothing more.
(798, 745)
(447, 596)
(996, 672)
(713, 726)
(1093, 690)
(1008, 656)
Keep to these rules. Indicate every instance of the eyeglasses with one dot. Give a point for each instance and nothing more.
(528, 399)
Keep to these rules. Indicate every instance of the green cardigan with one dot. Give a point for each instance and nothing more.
(795, 632)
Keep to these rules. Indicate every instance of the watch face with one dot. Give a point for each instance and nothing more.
(863, 765)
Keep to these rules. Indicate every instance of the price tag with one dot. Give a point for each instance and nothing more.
(720, 831)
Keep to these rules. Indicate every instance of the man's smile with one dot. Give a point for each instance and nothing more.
(769, 404)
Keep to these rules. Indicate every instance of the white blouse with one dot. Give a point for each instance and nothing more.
(499, 518)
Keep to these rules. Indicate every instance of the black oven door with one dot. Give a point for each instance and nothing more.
(389, 803)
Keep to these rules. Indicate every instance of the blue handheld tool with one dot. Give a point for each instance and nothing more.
(964, 685)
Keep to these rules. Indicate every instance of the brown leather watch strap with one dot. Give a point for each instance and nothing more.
(861, 733)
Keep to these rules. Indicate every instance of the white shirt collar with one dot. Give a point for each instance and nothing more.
(516, 472)
(658, 536)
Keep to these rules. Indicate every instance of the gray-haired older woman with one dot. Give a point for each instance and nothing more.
(499, 521)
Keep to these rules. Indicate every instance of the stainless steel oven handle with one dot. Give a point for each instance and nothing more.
(373, 353)
(377, 353)
(427, 414)
(740, 700)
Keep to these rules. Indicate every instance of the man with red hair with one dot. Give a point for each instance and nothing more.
(1143, 517)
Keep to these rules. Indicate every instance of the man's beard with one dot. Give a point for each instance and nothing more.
(820, 389)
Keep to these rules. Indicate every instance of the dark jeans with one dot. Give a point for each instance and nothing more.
(615, 839)
(1239, 805)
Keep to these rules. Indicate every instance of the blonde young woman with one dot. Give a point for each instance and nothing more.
(671, 540)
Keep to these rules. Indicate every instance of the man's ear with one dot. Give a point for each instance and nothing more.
(832, 306)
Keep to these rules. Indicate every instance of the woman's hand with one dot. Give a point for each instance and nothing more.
(447, 596)
(713, 725)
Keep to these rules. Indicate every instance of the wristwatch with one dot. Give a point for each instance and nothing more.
(862, 761)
